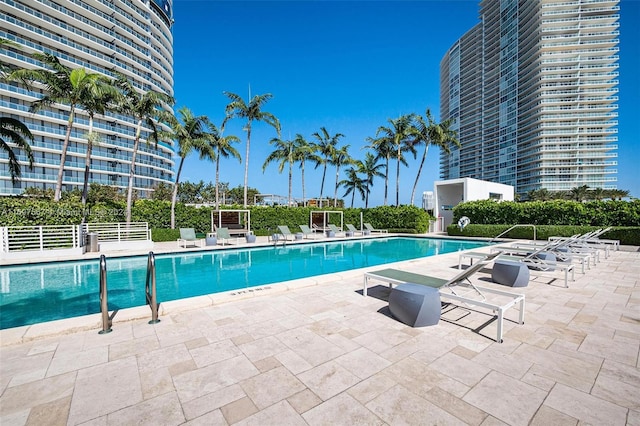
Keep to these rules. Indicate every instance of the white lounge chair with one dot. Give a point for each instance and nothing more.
(353, 230)
(188, 236)
(306, 231)
(372, 230)
(286, 233)
(448, 288)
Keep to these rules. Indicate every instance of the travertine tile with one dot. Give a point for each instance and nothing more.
(92, 396)
(23, 397)
(238, 410)
(268, 388)
(456, 406)
(506, 398)
(400, 406)
(370, 388)
(51, 413)
(362, 362)
(573, 403)
(214, 352)
(304, 401)
(202, 381)
(328, 379)
(459, 368)
(341, 409)
(161, 410)
(212, 418)
(278, 414)
(212, 401)
(548, 416)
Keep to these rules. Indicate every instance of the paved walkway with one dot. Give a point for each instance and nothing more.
(320, 353)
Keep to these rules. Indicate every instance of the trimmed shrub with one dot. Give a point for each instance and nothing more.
(626, 235)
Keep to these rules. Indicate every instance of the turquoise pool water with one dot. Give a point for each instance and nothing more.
(43, 292)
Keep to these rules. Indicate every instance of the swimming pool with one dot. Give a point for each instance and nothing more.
(43, 292)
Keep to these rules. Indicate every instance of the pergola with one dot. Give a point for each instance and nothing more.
(237, 221)
(320, 219)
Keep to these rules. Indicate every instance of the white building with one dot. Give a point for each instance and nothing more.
(449, 193)
(132, 37)
(532, 90)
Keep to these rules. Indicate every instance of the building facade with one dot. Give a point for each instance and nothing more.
(130, 37)
(532, 91)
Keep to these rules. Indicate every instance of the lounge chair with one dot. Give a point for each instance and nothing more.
(188, 236)
(353, 230)
(286, 233)
(223, 236)
(335, 230)
(449, 288)
(372, 230)
(306, 231)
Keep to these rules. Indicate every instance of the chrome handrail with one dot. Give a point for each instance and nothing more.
(515, 226)
(104, 305)
(150, 288)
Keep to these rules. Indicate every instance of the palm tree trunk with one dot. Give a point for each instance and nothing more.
(217, 179)
(246, 163)
(290, 181)
(63, 156)
(386, 181)
(415, 185)
(324, 172)
(304, 203)
(174, 197)
(132, 170)
(335, 193)
(87, 165)
(353, 196)
(398, 179)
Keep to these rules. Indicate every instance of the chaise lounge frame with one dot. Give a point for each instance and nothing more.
(397, 277)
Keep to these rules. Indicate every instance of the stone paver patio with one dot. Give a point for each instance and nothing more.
(317, 352)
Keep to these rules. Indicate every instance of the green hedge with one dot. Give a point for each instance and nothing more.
(25, 211)
(556, 212)
(626, 235)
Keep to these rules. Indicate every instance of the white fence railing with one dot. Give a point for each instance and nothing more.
(40, 238)
(109, 232)
(30, 239)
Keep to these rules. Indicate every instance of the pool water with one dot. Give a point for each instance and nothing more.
(43, 292)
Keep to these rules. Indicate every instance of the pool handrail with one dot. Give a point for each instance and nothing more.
(150, 288)
(104, 304)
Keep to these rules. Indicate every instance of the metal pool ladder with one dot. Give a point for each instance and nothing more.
(104, 305)
(150, 288)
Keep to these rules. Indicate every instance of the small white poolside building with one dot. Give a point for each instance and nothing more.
(449, 193)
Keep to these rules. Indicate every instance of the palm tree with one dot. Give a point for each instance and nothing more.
(303, 151)
(190, 134)
(251, 111)
(618, 194)
(384, 150)
(62, 85)
(325, 147)
(399, 134)
(105, 96)
(432, 133)
(340, 156)
(145, 109)
(579, 193)
(16, 132)
(221, 147)
(283, 153)
(354, 183)
(371, 169)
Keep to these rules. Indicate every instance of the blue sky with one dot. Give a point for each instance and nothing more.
(348, 66)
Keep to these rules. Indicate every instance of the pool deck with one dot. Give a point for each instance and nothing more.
(317, 352)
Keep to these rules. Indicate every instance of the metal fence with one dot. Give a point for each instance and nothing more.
(109, 232)
(59, 237)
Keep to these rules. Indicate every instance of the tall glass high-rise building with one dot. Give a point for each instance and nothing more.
(131, 37)
(532, 90)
